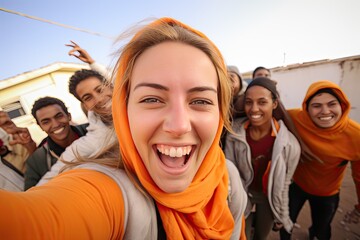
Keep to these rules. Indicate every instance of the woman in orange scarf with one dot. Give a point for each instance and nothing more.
(171, 98)
(325, 127)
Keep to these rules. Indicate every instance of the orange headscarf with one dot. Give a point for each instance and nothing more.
(341, 140)
(199, 212)
(332, 145)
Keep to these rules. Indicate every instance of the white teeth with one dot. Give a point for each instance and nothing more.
(58, 131)
(174, 151)
(325, 118)
(255, 116)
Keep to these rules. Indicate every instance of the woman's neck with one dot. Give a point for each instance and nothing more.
(258, 132)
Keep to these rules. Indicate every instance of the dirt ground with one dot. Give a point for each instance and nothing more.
(339, 232)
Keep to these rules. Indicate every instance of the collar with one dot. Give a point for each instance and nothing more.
(274, 130)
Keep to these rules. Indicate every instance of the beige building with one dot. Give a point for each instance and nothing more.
(17, 94)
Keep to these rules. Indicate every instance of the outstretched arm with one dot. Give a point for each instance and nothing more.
(85, 57)
(80, 204)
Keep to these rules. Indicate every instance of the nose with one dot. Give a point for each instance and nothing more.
(325, 109)
(55, 123)
(98, 98)
(254, 107)
(177, 120)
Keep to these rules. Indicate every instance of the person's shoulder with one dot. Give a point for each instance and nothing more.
(294, 111)
(82, 128)
(38, 155)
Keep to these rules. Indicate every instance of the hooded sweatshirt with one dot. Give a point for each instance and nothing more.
(335, 146)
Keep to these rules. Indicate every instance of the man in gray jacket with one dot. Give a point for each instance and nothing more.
(53, 118)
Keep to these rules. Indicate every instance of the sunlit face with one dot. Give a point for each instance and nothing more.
(259, 106)
(173, 112)
(324, 110)
(94, 96)
(235, 83)
(55, 122)
(262, 73)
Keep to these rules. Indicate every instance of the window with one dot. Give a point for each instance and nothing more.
(14, 109)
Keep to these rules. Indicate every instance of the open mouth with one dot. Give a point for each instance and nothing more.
(174, 157)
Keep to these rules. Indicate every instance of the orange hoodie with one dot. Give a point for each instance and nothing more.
(332, 145)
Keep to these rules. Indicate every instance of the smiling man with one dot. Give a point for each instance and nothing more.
(53, 118)
(94, 92)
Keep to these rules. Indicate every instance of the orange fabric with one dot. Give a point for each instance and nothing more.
(243, 233)
(332, 145)
(75, 205)
(201, 211)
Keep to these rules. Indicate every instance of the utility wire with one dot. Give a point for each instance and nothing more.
(55, 23)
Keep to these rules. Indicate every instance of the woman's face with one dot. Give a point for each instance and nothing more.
(324, 110)
(173, 112)
(259, 105)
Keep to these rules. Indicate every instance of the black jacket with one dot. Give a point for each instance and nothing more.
(45, 156)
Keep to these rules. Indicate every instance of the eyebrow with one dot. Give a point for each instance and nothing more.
(161, 87)
(335, 100)
(261, 98)
(56, 115)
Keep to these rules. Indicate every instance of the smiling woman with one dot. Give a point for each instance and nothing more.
(170, 103)
(325, 127)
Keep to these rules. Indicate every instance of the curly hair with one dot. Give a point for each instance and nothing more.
(82, 75)
(47, 101)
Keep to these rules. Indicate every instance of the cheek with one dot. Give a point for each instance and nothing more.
(312, 113)
(45, 128)
(142, 125)
(88, 105)
(339, 110)
(207, 127)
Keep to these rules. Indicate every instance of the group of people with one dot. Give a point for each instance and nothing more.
(178, 146)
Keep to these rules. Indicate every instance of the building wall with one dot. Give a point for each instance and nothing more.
(294, 82)
(53, 84)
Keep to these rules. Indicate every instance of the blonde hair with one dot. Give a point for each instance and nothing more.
(148, 36)
(164, 31)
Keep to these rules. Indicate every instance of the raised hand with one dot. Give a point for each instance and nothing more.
(79, 53)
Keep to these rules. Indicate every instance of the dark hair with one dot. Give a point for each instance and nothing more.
(266, 83)
(47, 101)
(322, 90)
(82, 75)
(258, 69)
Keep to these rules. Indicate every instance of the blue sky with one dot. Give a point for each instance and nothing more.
(248, 33)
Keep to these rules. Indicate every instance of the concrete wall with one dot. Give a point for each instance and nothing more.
(293, 82)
